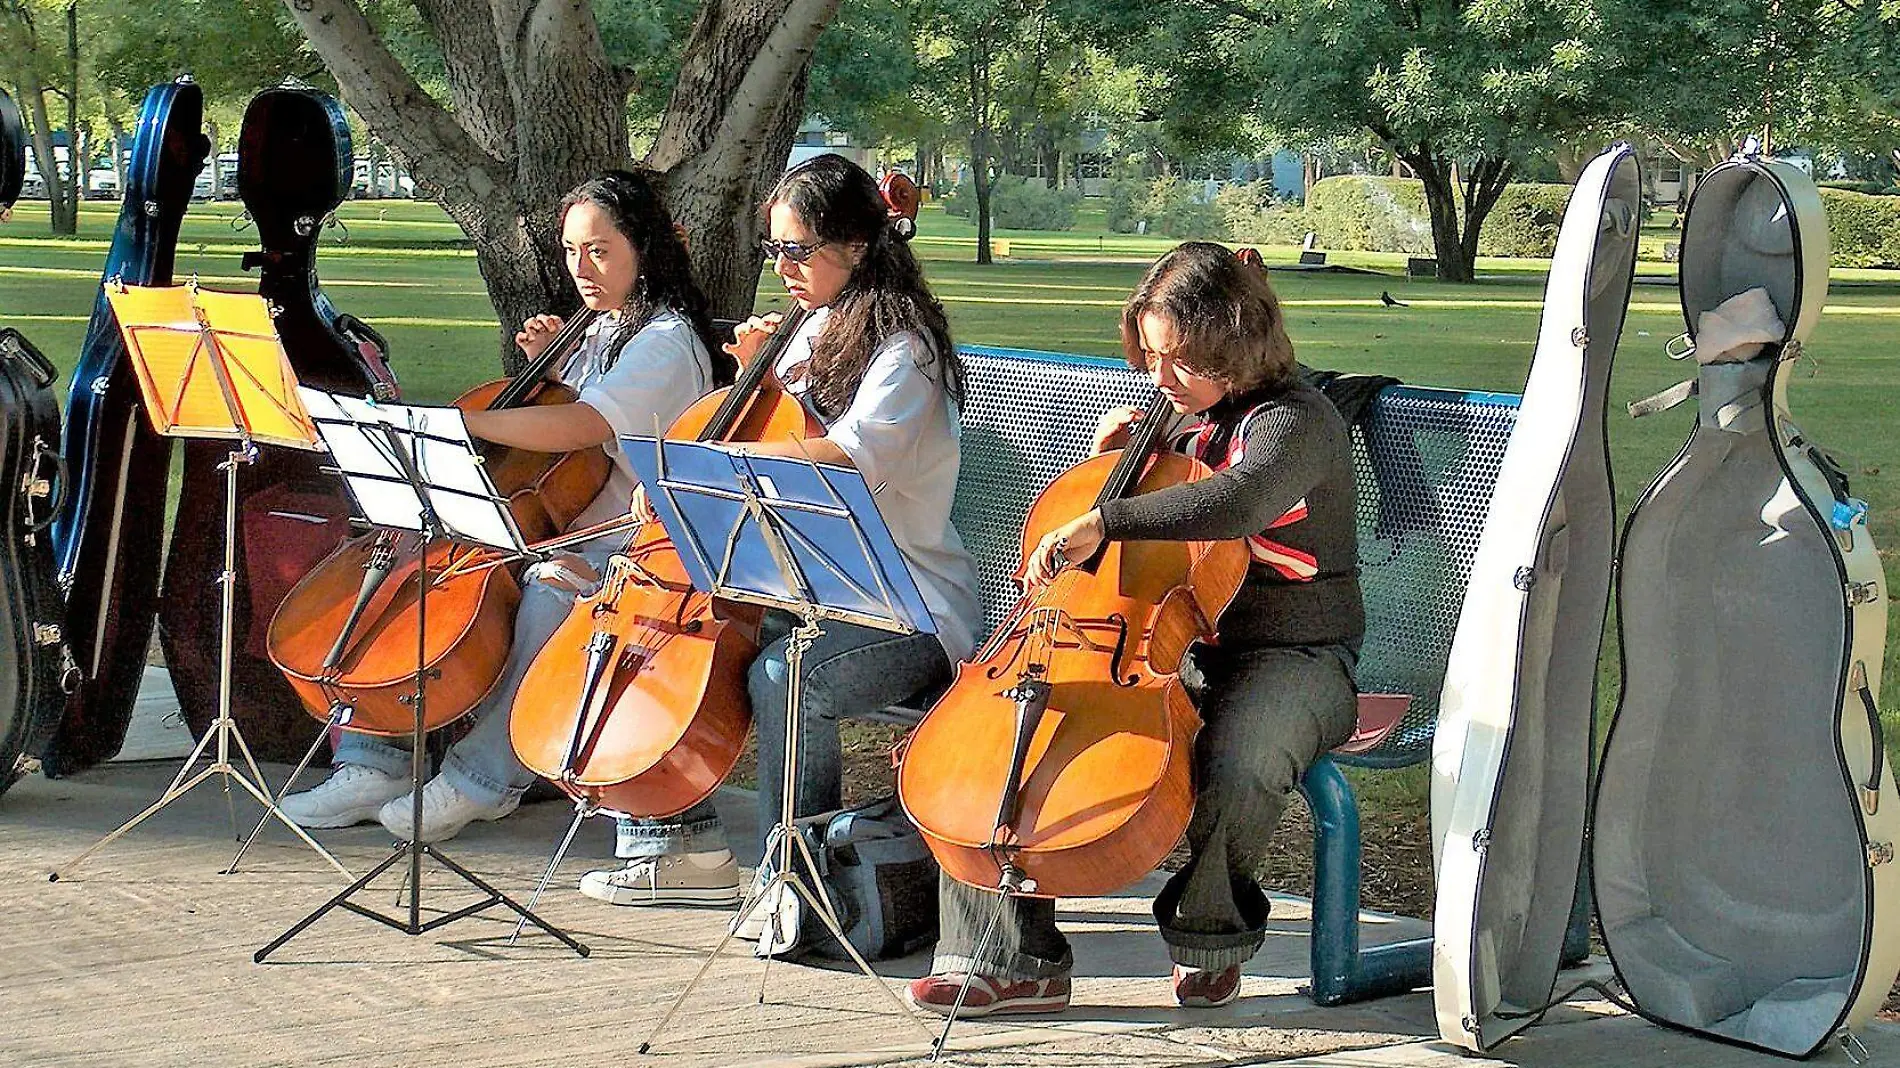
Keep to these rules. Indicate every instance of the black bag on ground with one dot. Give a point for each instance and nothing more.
(879, 875)
(33, 653)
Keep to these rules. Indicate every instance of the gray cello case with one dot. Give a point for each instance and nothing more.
(1744, 817)
(1511, 756)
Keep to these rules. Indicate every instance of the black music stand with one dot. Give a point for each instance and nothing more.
(415, 470)
(794, 535)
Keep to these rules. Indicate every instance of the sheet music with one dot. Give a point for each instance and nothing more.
(458, 488)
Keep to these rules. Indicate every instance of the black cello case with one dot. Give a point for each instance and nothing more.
(294, 168)
(34, 659)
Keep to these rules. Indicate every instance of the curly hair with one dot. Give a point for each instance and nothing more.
(885, 294)
(1225, 315)
(666, 274)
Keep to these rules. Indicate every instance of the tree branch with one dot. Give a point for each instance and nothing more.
(478, 83)
(437, 148)
(751, 108)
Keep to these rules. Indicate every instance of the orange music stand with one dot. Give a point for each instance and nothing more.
(210, 365)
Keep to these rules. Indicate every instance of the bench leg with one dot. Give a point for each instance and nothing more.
(1342, 972)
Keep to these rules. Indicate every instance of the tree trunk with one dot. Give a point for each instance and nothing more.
(58, 192)
(536, 108)
(1309, 175)
(1571, 159)
(1441, 204)
(980, 179)
(82, 163)
(1483, 186)
(79, 150)
(117, 137)
(217, 172)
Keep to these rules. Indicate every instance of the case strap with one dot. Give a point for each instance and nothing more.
(1662, 402)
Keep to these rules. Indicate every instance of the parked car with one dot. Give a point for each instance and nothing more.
(102, 183)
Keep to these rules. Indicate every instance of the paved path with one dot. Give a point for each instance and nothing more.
(143, 957)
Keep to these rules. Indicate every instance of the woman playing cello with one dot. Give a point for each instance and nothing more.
(1273, 695)
(875, 363)
(642, 362)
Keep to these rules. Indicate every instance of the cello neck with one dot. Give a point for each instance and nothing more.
(565, 344)
(1141, 442)
(753, 375)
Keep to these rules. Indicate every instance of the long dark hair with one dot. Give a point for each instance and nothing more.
(666, 274)
(885, 295)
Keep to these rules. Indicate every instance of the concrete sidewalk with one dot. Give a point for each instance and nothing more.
(143, 957)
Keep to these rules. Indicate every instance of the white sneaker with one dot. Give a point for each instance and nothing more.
(445, 811)
(351, 795)
(750, 924)
(710, 878)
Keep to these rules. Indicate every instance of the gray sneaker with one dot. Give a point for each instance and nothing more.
(710, 878)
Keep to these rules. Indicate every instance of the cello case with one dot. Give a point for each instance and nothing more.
(33, 653)
(1511, 757)
(1744, 817)
(110, 530)
(294, 169)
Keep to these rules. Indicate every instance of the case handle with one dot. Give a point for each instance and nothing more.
(1870, 790)
(56, 489)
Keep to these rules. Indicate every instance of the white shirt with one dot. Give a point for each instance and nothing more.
(660, 372)
(901, 431)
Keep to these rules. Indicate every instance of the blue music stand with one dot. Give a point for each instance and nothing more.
(802, 537)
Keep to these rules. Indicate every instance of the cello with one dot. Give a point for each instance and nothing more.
(638, 701)
(345, 637)
(1058, 762)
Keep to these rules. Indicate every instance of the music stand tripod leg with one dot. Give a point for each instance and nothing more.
(414, 849)
(787, 840)
(296, 773)
(224, 727)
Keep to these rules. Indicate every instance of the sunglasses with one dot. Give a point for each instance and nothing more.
(791, 250)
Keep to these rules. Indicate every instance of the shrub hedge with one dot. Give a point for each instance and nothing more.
(1170, 206)
(1863, 230)
(1018, 203)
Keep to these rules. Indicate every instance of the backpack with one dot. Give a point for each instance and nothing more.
(877, 872)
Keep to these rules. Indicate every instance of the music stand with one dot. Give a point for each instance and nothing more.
(210, 365)
(806, 538)
(416, 470)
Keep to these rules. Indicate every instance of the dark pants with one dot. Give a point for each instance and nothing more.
(1267, 714)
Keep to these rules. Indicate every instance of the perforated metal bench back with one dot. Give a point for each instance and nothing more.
(1426, 464)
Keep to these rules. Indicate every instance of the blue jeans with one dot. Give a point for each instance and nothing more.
(482, 766)
(849, 671)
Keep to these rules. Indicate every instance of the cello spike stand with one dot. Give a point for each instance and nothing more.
(224, 728)
(413, 850)
(1031, 698)
(784, 835)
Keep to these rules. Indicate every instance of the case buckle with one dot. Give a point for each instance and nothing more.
(1857, 1052)
(1879, 853)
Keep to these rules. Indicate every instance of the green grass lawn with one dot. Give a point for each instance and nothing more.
(406, 270)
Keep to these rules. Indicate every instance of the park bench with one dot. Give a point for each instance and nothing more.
(1426, 461)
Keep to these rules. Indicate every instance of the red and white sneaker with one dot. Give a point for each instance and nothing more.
(1196, 988)
(988, 996)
